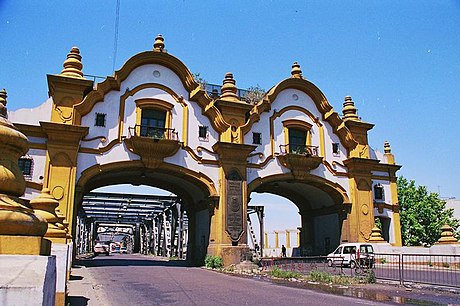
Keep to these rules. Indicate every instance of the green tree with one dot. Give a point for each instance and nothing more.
(254, 94)
(422, 214)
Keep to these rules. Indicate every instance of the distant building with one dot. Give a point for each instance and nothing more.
(455, 204)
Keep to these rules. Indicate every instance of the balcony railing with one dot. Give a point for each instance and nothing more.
(212, 89)
(153, 132)
(299, 150)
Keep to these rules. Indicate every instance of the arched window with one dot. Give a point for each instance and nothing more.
(379, 194)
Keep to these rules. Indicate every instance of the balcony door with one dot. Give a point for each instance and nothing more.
(153, 123)
(297, 141)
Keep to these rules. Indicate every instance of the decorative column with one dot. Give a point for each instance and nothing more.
(277, 240)
(390, 159)
(360, 220)
(228, 224)
(288, 239)
(21, 231)
(67, 89)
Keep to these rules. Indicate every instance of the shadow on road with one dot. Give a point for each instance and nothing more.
(77, 301)
(120, 260)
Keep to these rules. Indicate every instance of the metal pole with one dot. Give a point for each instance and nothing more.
(260, 215)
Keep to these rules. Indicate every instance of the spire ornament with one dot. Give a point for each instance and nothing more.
(229, 90)
(447, 235)
(3, 111)
(159, 44)
(376, 235)
(295, 71)
(386, 147)
(349, 110)
(72, 65)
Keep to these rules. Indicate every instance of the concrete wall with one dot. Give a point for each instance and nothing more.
(27, 280)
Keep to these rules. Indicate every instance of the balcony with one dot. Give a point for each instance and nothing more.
(152, 144)
(299, 158)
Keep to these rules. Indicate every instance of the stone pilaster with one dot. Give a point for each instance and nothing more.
(228, 224)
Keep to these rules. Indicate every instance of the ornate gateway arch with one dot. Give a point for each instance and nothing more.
(152, 123)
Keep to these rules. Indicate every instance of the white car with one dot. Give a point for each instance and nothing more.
(352, 254)
(102, 247)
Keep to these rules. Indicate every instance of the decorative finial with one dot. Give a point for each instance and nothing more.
(447, 235)
(386, 147)
(3, 111)
(376, 235)
(349, 110)
(46, 206)
(72, 65)
(296, 72)
(159, 44)
(228, 90)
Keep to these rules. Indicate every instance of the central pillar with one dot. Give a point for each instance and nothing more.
(228, 237)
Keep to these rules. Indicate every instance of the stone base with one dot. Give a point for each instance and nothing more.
(27, 280)
(247, 266)
(230, 254)
(61, 252)
(24, 245)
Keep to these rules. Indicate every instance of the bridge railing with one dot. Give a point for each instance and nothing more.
(440, 270)
(432, 269)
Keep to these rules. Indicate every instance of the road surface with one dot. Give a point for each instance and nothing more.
(141, 280)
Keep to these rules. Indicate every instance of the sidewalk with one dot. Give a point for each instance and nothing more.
(83, 290)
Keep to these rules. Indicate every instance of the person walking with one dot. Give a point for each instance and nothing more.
(283, 251)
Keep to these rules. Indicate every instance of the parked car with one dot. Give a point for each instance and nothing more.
(102, 247)
(352, 254)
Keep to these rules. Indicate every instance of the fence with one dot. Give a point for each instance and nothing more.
(441, 270)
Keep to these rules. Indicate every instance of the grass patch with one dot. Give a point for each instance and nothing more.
(327, 278)
(277, 272)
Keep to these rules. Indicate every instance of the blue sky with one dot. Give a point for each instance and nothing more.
(399, 60)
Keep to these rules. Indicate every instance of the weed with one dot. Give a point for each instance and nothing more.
(320, 276)
(214, 262)
(277, 272)
(383, 261)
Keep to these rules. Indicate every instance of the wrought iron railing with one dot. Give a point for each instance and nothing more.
(299, 150)
(153, 132)
(213, 89)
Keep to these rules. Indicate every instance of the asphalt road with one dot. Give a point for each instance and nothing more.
(140, 280)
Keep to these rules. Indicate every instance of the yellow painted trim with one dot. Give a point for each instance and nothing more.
(331, 170)
(322, 142)
(198, 177)
(121, 113)
(308, 179)
(38, 146)
(154, 103)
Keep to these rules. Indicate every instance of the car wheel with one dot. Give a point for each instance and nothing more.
(329, 263)
(352, 264)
